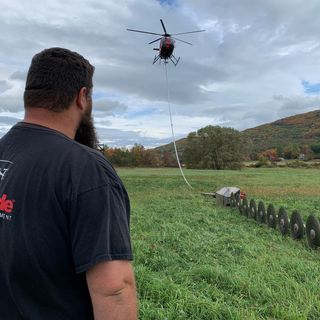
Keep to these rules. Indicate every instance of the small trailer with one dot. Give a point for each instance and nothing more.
(223, 195)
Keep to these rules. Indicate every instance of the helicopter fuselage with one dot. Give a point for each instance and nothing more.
(166, 47)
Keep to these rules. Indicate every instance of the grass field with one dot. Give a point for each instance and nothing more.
(194, 260)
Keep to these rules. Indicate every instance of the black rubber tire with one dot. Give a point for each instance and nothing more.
(296, 226)
(271, 216)
(253, 209)
(313, 231)
(245, 207)
(283, 220)
(261, 213)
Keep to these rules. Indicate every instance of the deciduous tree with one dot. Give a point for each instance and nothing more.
(214, 147)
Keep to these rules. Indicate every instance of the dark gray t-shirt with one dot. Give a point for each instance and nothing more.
(62, 209)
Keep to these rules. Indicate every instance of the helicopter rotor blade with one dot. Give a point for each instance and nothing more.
(157, 34)
(176, 34)
(155, 40)
(164, 28)
(182, 41)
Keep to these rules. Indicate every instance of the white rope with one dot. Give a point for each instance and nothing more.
(173, 138)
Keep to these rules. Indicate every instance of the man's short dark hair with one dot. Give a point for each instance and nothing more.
(55, 77)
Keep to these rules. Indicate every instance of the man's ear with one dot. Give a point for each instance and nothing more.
(81, 99)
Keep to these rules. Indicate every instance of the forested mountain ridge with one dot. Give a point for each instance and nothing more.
(214, 147)
(301, 129)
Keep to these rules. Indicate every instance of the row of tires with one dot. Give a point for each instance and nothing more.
(293, 226)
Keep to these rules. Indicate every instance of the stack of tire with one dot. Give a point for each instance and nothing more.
(293, 226)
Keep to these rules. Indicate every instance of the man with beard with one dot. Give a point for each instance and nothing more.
(65, 246)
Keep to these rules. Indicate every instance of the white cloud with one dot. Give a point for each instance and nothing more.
(4, 86)
(251, 52)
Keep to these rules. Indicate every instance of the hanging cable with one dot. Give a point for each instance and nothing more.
(171, 123)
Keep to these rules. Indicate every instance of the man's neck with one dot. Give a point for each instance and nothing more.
(59, 121)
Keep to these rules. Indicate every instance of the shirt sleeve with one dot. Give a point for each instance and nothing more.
(99, 226)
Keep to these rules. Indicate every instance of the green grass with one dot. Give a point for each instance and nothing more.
(195, 260)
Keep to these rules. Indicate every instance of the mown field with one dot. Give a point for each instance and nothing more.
(195, 260)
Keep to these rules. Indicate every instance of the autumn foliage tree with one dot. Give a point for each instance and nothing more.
(214, 147)
(137, 156)
(168, 159)
(291, 151)
(270, 154)
(315, 147)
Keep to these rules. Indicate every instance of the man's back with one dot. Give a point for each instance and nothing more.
(62, 209)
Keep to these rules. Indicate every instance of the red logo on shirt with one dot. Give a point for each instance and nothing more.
(6, 205)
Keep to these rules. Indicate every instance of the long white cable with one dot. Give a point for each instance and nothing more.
(172, 131)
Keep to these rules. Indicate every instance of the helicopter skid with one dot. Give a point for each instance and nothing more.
(173, 59)
(156, 58)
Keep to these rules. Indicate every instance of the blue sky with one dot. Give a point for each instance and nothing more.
(311, 88)
(245, 70)
(168, 2)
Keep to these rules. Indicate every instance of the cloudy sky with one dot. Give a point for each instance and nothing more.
(258, 61)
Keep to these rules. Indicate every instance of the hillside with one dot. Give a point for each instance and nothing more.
(301, 129)
(181, 143)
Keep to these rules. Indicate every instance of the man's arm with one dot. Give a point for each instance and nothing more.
(112, 289)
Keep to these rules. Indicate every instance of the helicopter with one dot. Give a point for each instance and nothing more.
(166, 45)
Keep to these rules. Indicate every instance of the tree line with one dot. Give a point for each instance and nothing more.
(291, 151)
(211, 147)
(138, 156)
